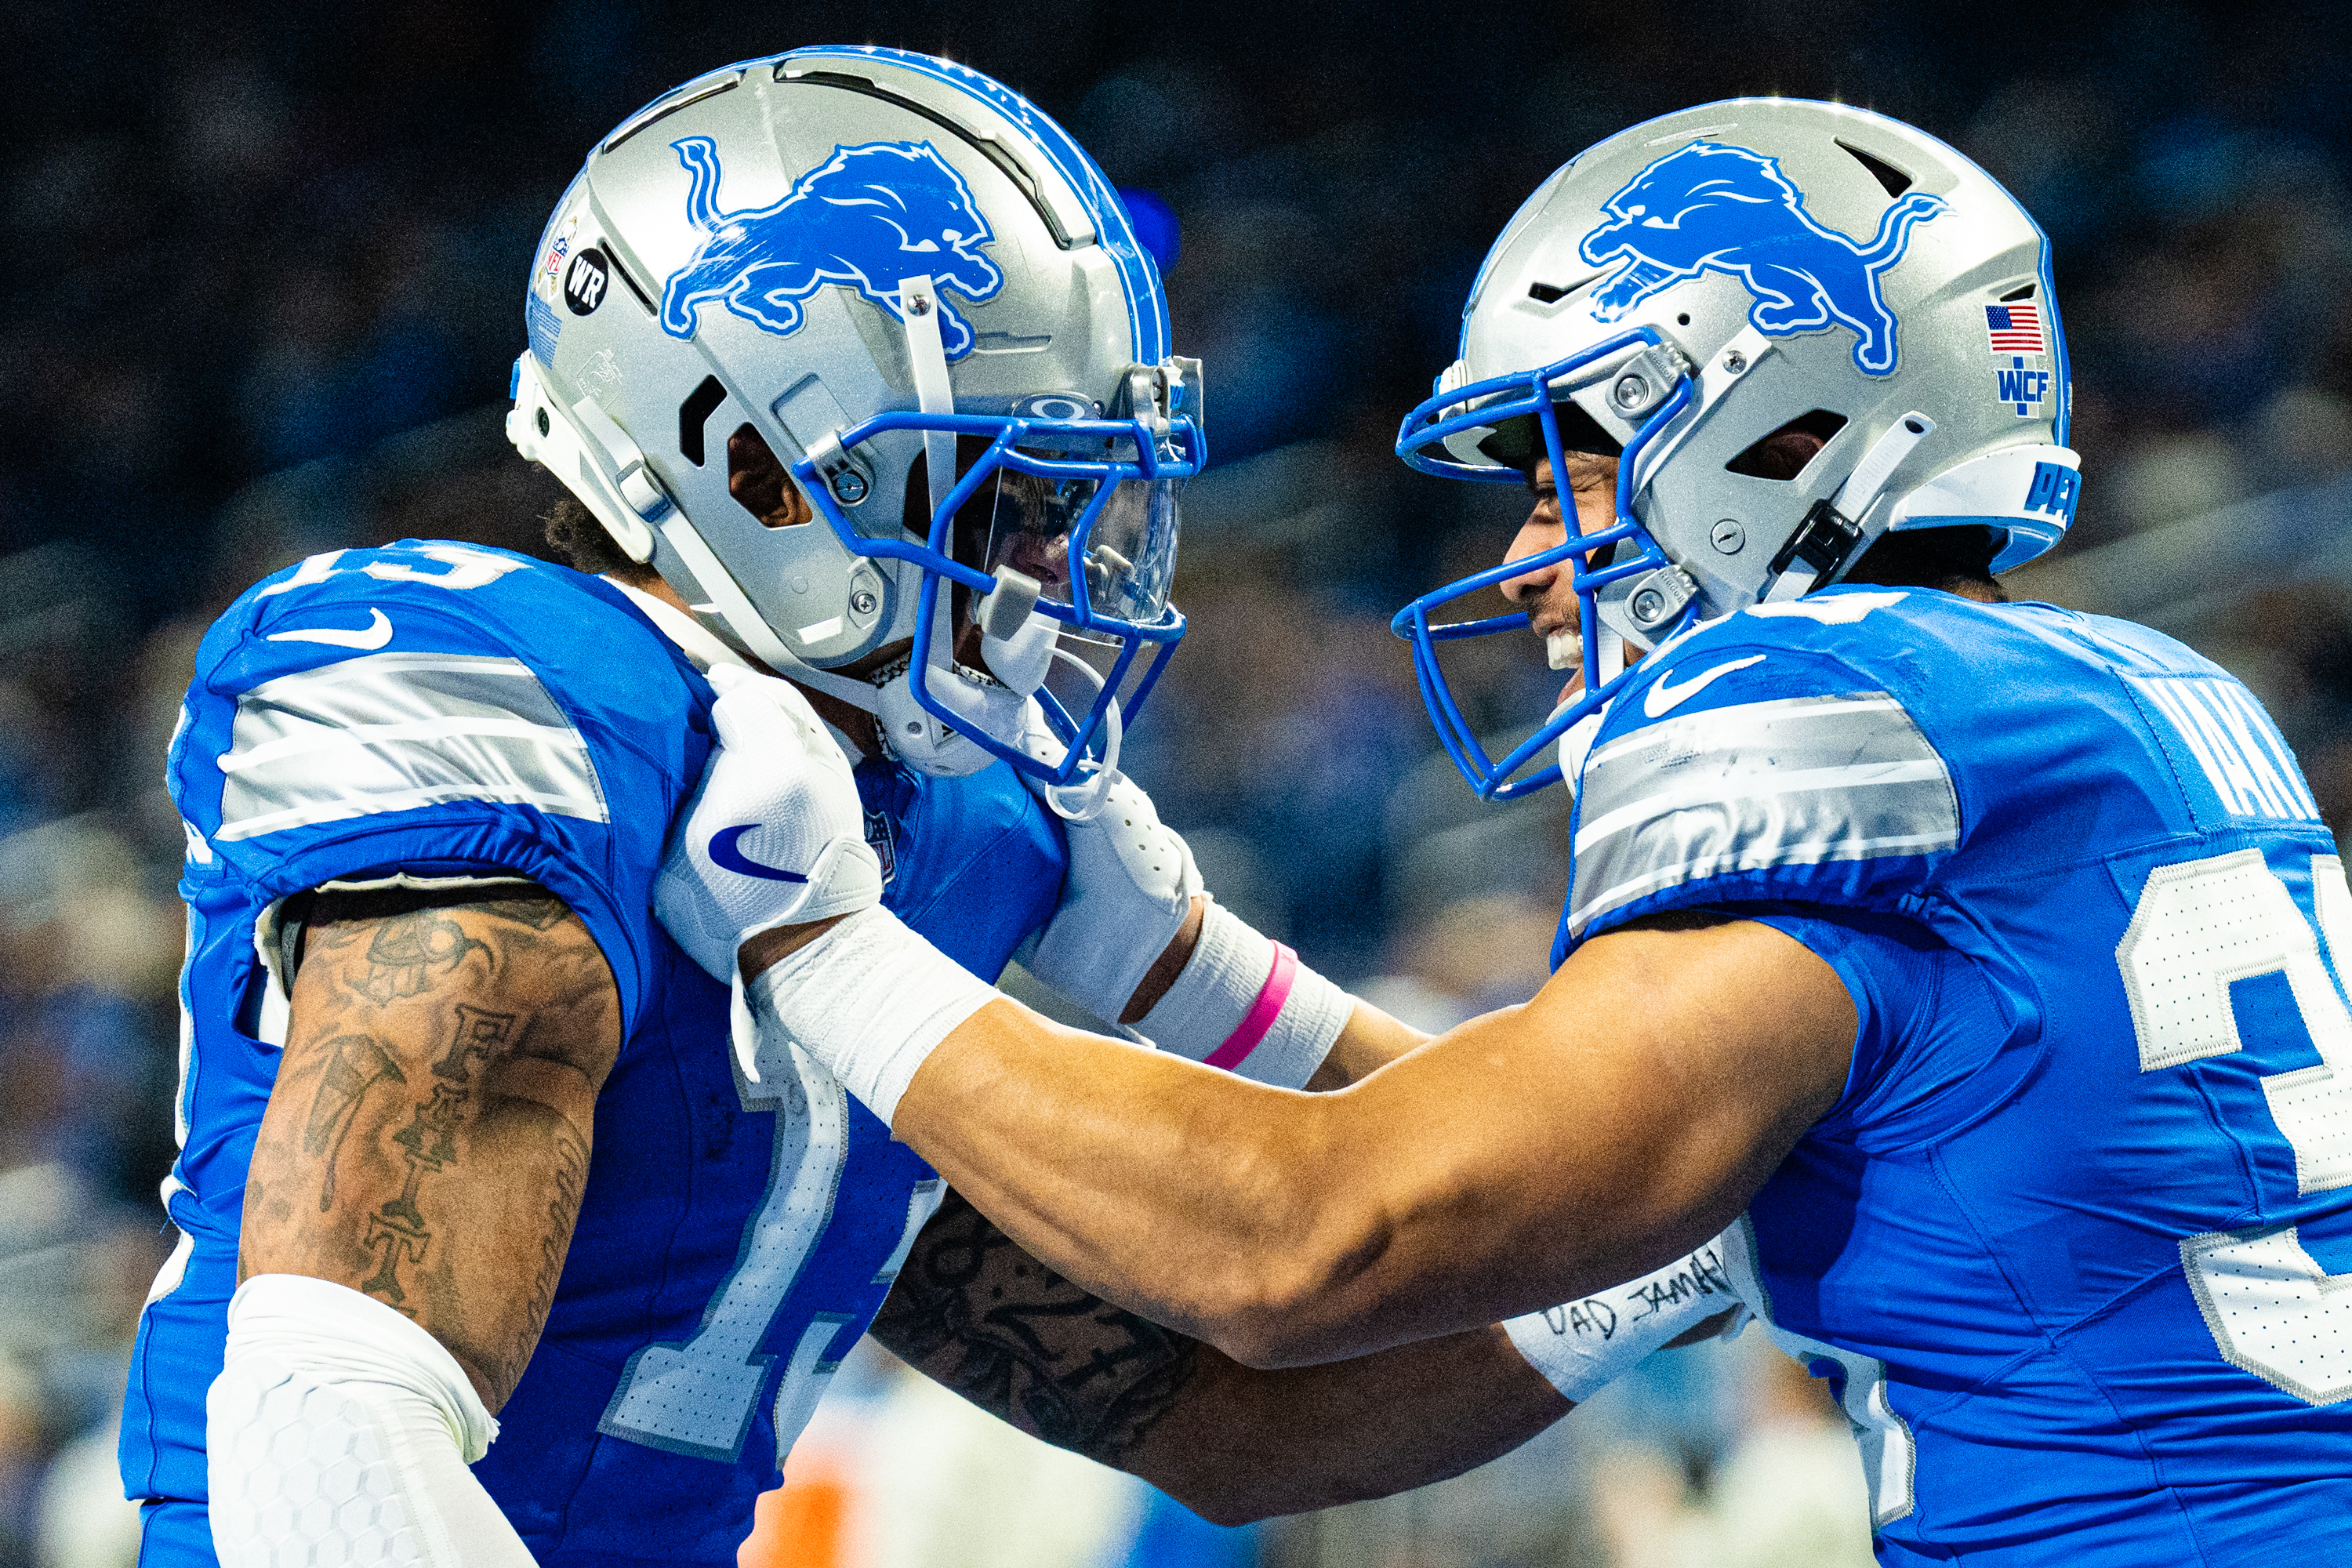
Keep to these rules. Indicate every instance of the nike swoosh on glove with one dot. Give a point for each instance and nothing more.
(1130, 883)
(773, 836)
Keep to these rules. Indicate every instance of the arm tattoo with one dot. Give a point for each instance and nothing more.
(437, 1093)
(355, 1064)
(405, 957)
(985, 1319)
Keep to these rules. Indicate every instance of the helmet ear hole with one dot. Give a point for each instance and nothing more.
(1783, 453)
(758, 483)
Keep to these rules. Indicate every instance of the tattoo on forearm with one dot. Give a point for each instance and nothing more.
(1015, 1338)
(436, 1092)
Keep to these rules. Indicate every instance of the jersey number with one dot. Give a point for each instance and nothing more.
(461, 568)
(699, 1397)
(2272, 1308)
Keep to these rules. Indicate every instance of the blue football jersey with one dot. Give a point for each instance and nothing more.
(2074, 1246)
(433, 710)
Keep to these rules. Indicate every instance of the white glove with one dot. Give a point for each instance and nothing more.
(774, 834)
(1130, 882)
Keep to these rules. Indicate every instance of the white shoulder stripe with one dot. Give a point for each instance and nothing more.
(1738, 782)
(319, 738)
(395, 731)
(1793, 782)
(1714, 865)
(1683, 734)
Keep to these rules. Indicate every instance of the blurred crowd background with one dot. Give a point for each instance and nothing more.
(263, 278)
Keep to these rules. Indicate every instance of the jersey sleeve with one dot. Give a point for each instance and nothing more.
(1935, 1045)
(495, 735)
(1755, 767)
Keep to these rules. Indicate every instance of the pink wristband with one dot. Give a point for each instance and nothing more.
(1262, 1014)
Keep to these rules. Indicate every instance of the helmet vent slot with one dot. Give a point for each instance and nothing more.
(1553, 293)
(692, 92)
(1783, 453)
(1894, 181)
(2026, 293)
(692, 415)
(620, 270)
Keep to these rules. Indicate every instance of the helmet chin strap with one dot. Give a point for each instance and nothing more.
(1832, 538)
(918, 313)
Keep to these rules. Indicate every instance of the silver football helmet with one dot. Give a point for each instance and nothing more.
(1686, 291)
(867, 257)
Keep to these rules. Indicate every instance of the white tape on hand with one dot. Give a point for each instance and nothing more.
(871, 1000)
(1246, 1004)
(1580, 1345)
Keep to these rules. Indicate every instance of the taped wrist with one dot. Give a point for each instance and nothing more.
(336, 1427)
(1581, 1345)
(870, 999)
(1244, 1003)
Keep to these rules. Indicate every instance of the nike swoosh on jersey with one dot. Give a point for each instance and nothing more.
(369, 637)
(727, 858)
(1664, 696)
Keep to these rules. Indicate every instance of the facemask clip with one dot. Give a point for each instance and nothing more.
(842, 475)
(1655, 600)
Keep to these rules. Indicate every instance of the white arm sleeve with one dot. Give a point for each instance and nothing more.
(339, 1431)
(1580, 1345)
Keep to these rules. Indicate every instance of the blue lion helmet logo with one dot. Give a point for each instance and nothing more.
(1709, 208)
(868, 217)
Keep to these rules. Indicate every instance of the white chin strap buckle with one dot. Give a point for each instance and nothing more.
(928, 745)
(1832, 534)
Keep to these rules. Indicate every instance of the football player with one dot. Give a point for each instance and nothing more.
(1987, 957)
(464, 1147)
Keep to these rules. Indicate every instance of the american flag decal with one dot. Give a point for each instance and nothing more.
(2015, 328)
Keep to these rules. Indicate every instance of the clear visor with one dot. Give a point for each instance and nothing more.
(1118, 542)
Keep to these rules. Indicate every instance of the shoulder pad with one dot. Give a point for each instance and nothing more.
(369, 682)
(1755, 763)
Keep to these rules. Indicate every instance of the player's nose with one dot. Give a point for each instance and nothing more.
(1535, 537)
